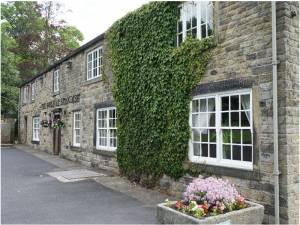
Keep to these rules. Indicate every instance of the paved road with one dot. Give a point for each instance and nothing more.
(28, 195)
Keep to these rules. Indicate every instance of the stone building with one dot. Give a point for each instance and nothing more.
(68, 109)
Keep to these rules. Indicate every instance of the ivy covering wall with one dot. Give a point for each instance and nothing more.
(152, 82)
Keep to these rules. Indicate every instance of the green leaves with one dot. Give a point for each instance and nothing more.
(152, 82)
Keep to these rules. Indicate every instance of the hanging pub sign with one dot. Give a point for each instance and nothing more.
(61, 101)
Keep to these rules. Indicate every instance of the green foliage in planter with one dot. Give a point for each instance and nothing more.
(152, 82)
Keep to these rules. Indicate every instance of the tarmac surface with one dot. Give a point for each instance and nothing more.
(30, 195)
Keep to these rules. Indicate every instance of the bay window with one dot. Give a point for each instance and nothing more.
(94, 63)
(222, 129)
(106, 138)
(36, 128)
(196, 20)
(76, 129)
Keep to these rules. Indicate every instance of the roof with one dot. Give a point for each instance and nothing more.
(73, 53)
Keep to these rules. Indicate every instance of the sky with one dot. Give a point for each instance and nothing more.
(93, 17)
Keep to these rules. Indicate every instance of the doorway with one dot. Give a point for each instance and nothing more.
(56, 136)
(25, 130)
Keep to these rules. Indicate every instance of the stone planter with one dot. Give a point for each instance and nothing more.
(251, 215)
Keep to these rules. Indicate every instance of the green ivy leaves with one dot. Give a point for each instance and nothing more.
(152, 82)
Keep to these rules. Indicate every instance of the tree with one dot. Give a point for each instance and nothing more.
(9, 73)
(41, 38)
(32, 37)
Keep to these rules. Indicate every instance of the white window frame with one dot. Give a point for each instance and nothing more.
(76, 144)
(33, 91)
(219, 161)
(36, 128)
(56, 81)
(107, 147)
(185, 13)
(94, 65)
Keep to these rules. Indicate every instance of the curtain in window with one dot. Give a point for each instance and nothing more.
(246, 105)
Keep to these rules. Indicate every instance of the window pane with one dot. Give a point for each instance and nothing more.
(211, 105)
(113, 142)
(212, 135)
(226, 136)
(194, 21)
(113, 133)
(245, 101)
(247, 137)
(196, 148)
(204, 150)
(203, 30)
(180, 37)
(204, 136)
(212, 119)
(195, 106)
(235, 119)
(247, 153)
(112, 123)
(234, 102)
(245, 119)
(236, 136)
(195, 120)
(179, 26)
(103, 133)
(225, 103)
(194, 33)
(226, 152)
(77, 124)
(203, 107)
(203, 120)
(196, 135)
(188, 24)
(77, 132)
(213, 150)
(225, 119)
(77, 139)
(236, 152)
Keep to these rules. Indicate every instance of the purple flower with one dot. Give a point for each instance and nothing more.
(211, 189)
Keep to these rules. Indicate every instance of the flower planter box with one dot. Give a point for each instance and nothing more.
(251, 215)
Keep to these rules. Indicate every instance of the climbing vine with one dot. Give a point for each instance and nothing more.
(151, 86)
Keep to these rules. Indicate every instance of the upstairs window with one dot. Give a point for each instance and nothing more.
(25, 94)
(33, 91)
(94, 64)
(56, 81)
(195, 20)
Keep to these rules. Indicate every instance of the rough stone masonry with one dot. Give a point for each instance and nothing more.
(242, 59)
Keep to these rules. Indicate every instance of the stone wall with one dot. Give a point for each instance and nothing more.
(8, 125)
(243, 58)
(72, 82)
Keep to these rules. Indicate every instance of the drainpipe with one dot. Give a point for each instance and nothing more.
(275, 114)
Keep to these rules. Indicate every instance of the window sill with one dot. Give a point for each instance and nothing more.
(105, 152)
(75, 148)
(56, 93)
(92, 81)
(35, 142)
(222, 170)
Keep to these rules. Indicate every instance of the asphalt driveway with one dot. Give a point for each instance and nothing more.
(28, 195)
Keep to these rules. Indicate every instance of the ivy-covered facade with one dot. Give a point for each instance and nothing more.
(172, 91)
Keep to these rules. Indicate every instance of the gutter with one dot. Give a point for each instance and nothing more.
(276, 172)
